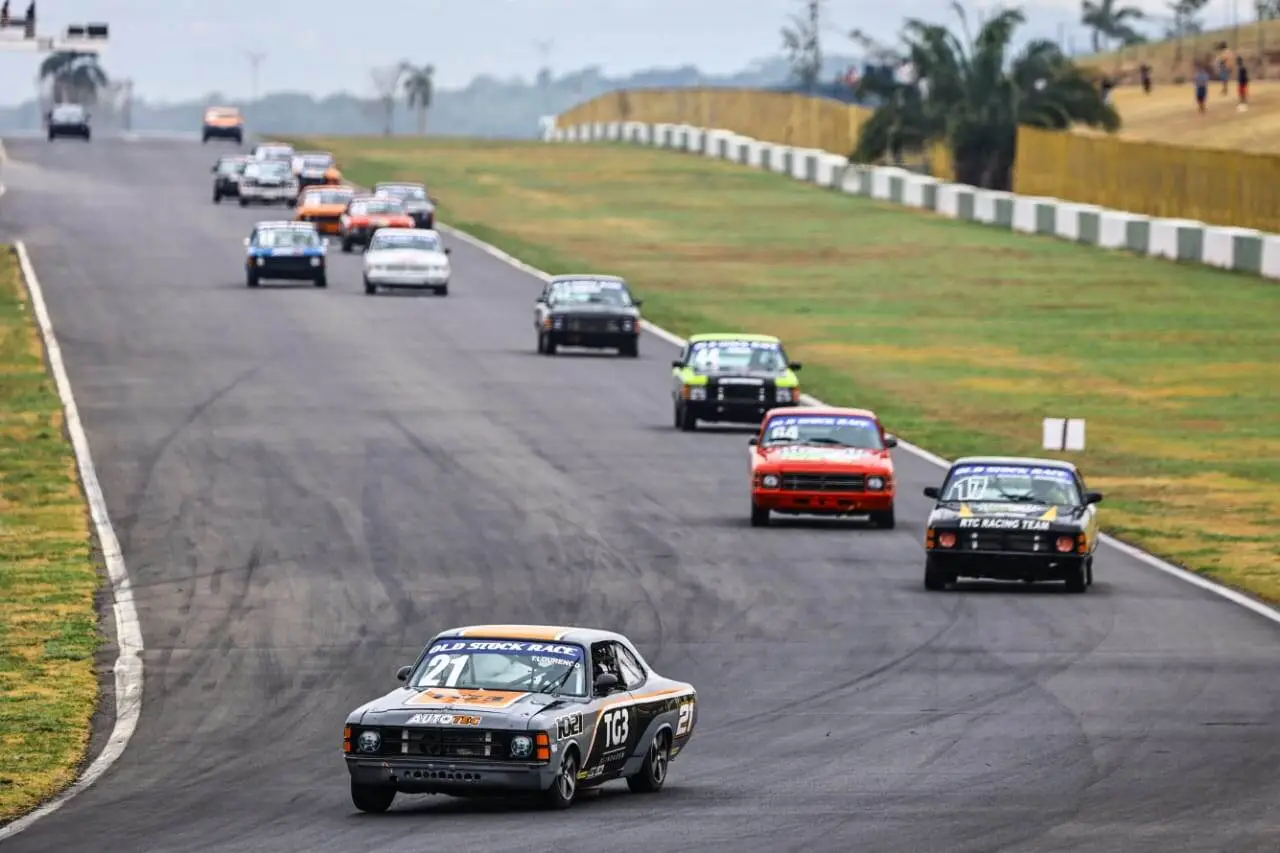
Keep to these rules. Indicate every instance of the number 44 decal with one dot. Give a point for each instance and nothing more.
(617, 726)
(685, 721)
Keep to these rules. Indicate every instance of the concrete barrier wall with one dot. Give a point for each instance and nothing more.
(1181, 240)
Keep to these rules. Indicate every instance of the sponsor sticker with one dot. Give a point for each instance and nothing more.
(569, 726)
(443, 720)
(1004, 523)
(560, 653)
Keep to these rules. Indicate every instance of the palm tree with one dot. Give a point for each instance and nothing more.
(419, 88)
(1110, 21)
(970, 96)
(74, 76)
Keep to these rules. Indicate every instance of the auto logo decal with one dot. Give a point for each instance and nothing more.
(442, 720)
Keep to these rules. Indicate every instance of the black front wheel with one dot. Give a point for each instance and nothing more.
(372, 799)
(630, 349)
(760, 515)
(370, 288)
(936, 578)
(1078, 578)
(321, 280)
(244, 202)
(251, 279)
(346, 245)
(884, 520)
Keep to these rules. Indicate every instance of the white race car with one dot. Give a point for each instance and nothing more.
(268, 182)
(406, 257)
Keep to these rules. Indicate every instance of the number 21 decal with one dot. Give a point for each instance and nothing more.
(686, 719)
(617, 725)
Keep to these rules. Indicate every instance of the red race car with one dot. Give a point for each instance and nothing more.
(820, 460)
(365, 215)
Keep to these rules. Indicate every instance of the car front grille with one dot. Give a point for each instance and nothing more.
(1020, 542)
(824, 482)
(732, 392)
(592, 324)
(446, 742)
(287, 263)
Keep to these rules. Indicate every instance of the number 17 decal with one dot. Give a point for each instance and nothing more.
(685, 721)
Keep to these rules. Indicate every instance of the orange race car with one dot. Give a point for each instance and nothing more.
(366, 214)
(819, 460)
(223, 123)
(324, 207)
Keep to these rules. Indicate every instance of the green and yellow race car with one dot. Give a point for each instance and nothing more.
(732, 379)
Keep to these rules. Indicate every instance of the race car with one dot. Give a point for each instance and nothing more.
(365, 215)
(732, 379)
(316, 168)
(222, 123)
(226, 177)
(267, 182)
(408, 258)
(595, 311)
(417, 202)
(324, 207)
(68, 120)
(285, 250)
(519, 710)
(822, 460)
(1011, 518)
(274, 151)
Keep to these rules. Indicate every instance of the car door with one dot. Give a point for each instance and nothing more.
(542, 307)
(676, 381)
(617, 726)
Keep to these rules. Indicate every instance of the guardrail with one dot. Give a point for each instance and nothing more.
(1188, 241)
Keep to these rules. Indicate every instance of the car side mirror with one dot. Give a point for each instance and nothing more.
(932, 492)
(1093, 497)
(795, 365)
(448, 251)
(402, 674)
(246, 241)
(753, 441)
(542, 299)
(605, 682)
(890, 441)
(677, 363)
(637, 302)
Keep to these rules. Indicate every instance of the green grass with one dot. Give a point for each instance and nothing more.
(48, 576)
(963, 337)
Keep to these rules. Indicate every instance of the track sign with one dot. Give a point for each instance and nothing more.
(1064, 434)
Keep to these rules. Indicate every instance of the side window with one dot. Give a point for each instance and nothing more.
(632, 672)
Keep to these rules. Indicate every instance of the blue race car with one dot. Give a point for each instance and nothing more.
(292, 251)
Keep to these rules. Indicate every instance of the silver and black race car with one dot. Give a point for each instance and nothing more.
(503, 710)
(595, 311)
(1012, 518)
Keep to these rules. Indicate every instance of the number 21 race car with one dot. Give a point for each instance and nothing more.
(496, 710)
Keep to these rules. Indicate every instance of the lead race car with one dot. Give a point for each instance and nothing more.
(1012, 518)
(494, 710)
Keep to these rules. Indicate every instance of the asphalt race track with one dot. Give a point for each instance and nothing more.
(307, 484)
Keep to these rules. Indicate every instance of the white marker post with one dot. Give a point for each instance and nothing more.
(1064, 434)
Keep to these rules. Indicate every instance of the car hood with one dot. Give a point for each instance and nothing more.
(739, 373)
(494, 709)
(799, 457)
(1006, 516)
(406, 256)
(322, 209)
(415, 204)
(604, 310)
(382, 217)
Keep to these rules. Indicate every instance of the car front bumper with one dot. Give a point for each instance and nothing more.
(268, 194)
(219, 132)
(407, 280)
(421, 776)
(732, 411)
(69, 129)
(593, 340)
(287, 268)
(1008, 565)
(822, 503)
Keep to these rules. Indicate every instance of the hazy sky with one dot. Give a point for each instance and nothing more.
(177, 49)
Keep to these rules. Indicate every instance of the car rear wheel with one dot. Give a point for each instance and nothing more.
(372, 799)
(653, 773)
(560, 794)
(935, 577)
(759, 515)
(884, 520)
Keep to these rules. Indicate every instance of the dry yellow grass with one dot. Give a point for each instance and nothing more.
(48, 625)
(1172, 59)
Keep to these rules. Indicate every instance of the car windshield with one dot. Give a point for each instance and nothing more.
(267, 170)
(716, 356)
(384, 206)
(421, 242)
(834, 430)
(319, 161)
(68, 113)
(523, 665)
(275, 152)
(326, 197)
(587, 291)
(410, 193)
(221, 114)
(230, 167)
(287, 238)
(1012, 484)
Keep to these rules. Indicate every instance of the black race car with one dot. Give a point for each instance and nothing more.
(595, 311)
(417, 202)
(226, 177)
(731, 378)
(1014, 519)
(69, 120)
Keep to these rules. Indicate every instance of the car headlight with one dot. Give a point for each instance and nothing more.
(558, 323)
(770, 481)
(315, 262)
(521, 746)
(697, 392)
(369, 742)
(783, 395)
(627, 325)
(261, 261)
(875, 484)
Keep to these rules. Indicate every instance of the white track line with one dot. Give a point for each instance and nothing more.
(1151, 560)
(128, 666)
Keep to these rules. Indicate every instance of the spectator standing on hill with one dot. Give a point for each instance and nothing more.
(1242, 83)
(1224, 67)
(1145, 73)
(1202, 85)
(1105, 88)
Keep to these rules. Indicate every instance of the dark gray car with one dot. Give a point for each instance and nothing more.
(501, 710)
(595, 311)
(69, 120)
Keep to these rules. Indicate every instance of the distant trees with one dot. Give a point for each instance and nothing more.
(73, 76)
(417, 84)
(1111, 21)
(802, 44)
(419, 89)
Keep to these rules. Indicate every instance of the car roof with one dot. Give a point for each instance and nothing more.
(586, 276)
(536, 633)
(285, 223)
(1032, 461)
(414, 184)
(426, 232)
(727, 336)
(833, 411)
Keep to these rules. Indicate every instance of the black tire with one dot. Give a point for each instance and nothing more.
(370, 288)
(685, 419)
(1090, 578)
(251, 279)
(541, 345)
(346, 245)
(51, 137)
(372, 799)
(86, 136)
(431, 223)
(442, 290)
(1078, 578)
(244, 202)
(759, 516)
(884, 520)
(204, 140)
(653, 772)
(217, 197)
(321, 280)
(936, 578)
(549, 344)
(560, 794)
(630, 349)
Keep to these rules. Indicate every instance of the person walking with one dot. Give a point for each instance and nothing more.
(1202, 84)
(1145, 73)
(1242, 83)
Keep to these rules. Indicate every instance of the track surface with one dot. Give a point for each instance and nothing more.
(308, 483)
